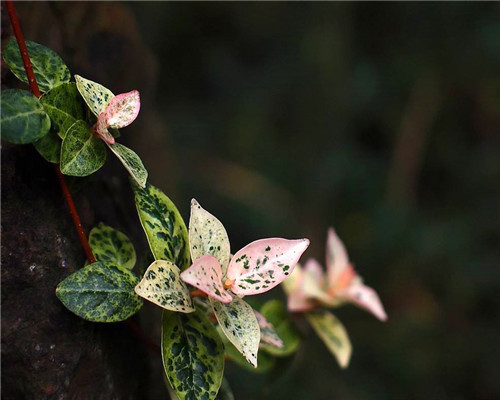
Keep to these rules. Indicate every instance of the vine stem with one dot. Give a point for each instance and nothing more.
(16, 26)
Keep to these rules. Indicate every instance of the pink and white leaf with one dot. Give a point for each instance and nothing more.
(336, 257)
(206, 274)
(297, 301)
(365, 297)
(101, 128)
(263, 264)
(123, 109)
(313, 281)
(268, 334)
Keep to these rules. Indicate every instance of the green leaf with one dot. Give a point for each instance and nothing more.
(332, 332)
(163, 224)
(95, 95)
(100, 293)
(81, 153)
(193, 355)
(131, 162)
(49, 147)
(64, 106)
(162, 285)
(50, 70)
(23, 118)
(275, 312)
(112, 247)
(238, 322)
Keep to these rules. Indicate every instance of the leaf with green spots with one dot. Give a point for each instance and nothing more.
(112, 247)
(193, 355)
(49, 147)
(268, 334)
(64, 106)
(163, 224)
(207, 235)
(81, 152)
(162, 285)
(100, 293)
(264, 264)
(95, 95)
(332, 332)
(23, 118)
(238, 322)
(131, 161)
(275, 312)
(50, 70)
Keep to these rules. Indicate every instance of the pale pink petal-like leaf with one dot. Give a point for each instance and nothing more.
(123, 109)
(315, 270)
(296, 299)
(206, 274)
(336, 257)
(102, 129)
(268, 334)
(263, 264)
(313, 281)
(366, 298)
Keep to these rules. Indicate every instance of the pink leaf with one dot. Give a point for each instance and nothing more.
(268, 334)
(336, 257)
(263, 264)
(293, 286)
(365, 297)
(206, 274)
(123, 109)
(102, 129)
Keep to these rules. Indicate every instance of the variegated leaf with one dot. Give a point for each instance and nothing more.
(268, 334)
(101, 128)
(112, 247)
(162, 285)
(297, 301)
(365, 297)
(193, 355)
(49, 147)
(206, 274)
(207, 235)
(336, 257)
(263, 264)
(95, 95)
(239, 324)
(163, 225)
(123, 109)
(333, 334)
(132, 163)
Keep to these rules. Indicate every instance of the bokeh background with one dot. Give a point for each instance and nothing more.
(282, 119)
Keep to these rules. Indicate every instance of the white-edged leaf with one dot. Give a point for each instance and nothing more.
(162, 285)
(132, 163)
(263, 264)
(206, 274)
(239, 323)
(95, 95)
(333, 334)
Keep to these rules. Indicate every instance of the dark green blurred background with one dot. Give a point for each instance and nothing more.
(380, 119)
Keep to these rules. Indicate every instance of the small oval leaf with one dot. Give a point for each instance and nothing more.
(131, 162)
(23, 118)
(162, 285)
(238, 322)
(112, 247)
(95, 95)
(123, 109)
(332, 332)
(48, 67)
(49, 147)
(81, 153)
(193, 355)
(163, 224)
(100, 293)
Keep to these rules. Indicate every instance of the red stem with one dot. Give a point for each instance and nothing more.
(197, 293)
(16, 26)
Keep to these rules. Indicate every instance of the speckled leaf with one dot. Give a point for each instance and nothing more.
(164, 227)
(81, 152)
(100, 293)
(162, 285)
(131, 162)
(238, 322)
(333, 334)
(112, 247)
(64, 106)
(123, 109)
(101, 128)
(193, 355)
(268, 334)
(275, 312)
(50, 70)
(49, 147)
(23, 118)
(263, 264)
(207, 235)
(206, 275)
(95, 95)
